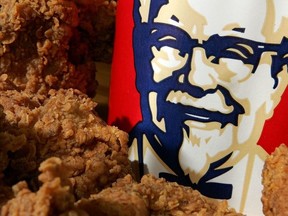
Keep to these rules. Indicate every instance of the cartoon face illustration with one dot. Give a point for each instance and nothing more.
(209, 77)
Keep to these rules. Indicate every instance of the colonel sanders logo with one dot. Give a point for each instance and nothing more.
(209, 77)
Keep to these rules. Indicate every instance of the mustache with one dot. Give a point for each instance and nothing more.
(183, 112)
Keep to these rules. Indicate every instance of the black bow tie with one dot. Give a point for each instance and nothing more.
(209, 189)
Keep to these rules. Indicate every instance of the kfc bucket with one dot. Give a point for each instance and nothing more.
(201, 88)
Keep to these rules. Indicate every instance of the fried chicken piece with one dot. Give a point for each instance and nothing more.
(35, 48)
(64, 125)
(126, 197)
(121, 200)
(5, 190)
(173, 199)
(152, 196)
(275, 181)
(53, 198)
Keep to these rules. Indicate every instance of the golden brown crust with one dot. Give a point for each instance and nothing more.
(275, 181)
(152, 196)
(115, 201)
(53, 198)
(167, 198)
(62, 125)
(35, 47)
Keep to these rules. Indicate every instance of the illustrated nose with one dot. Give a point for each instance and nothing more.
(202, 72)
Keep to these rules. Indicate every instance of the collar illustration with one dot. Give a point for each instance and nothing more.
(204, 186)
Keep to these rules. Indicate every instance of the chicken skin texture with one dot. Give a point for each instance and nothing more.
(62, 125)
(53, 198)
(152, 196)
(38, 49)
(275, 181)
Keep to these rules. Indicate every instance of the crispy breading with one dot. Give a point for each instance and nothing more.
(35, 48)
(121, 200)
(53, 198)
(275, 181)
(62, 125)
(152, 196)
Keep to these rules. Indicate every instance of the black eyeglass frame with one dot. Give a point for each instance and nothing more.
(161, 34)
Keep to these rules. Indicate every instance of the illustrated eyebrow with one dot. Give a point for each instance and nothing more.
(242, 30)
(167, 38)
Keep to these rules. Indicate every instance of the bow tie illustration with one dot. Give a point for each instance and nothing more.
(210, 189)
